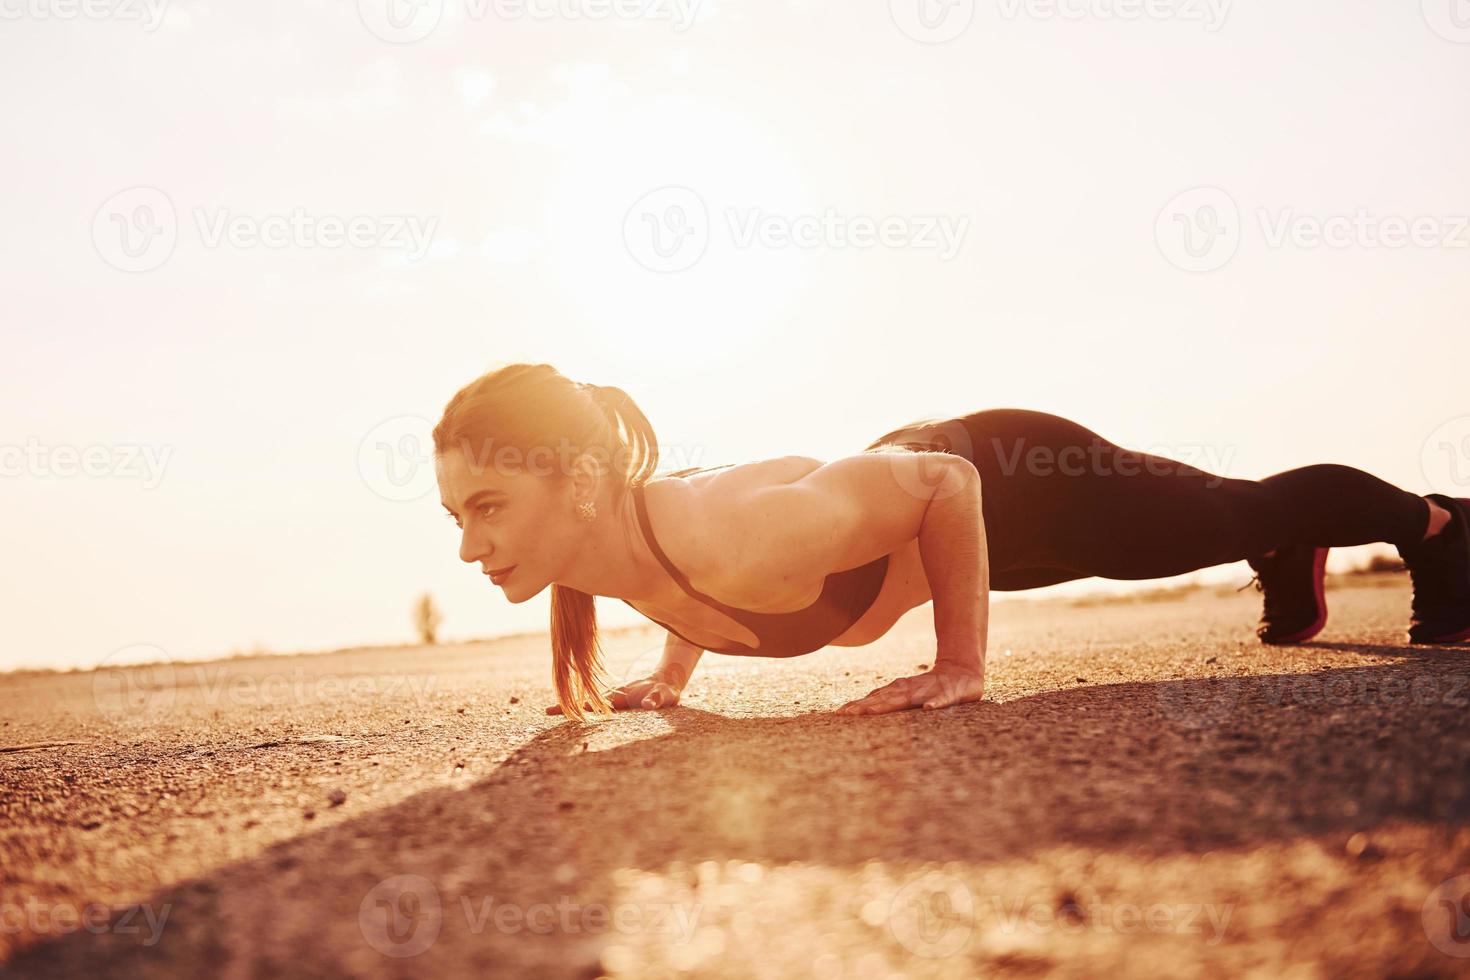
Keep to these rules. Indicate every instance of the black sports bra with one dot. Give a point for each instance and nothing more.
(846, 595)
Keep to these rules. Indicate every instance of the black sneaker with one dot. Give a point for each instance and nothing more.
(1440, 570)
(1292, 580)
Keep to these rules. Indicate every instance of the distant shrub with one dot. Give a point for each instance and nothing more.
(1381, 563)
(426, 618)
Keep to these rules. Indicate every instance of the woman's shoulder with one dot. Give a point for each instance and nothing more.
(695, 510)
(729, 477)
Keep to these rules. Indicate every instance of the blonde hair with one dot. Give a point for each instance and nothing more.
(527, 406)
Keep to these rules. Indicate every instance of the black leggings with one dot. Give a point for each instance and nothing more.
(1061, 502)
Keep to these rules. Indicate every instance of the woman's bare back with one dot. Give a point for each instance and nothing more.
(682, 513)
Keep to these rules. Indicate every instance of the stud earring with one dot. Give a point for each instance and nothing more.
(587, 510)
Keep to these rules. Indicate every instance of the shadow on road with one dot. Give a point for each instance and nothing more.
(1146, 768)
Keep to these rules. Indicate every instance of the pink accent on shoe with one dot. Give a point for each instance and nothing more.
(1319, 575)
(1461, 637)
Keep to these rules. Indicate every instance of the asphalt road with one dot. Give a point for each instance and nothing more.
(1146, 791)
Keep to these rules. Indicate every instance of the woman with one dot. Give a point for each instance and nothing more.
(551, 482)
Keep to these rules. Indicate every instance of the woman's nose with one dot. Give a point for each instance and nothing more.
(470, 550)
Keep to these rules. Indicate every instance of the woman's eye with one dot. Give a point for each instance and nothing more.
(483, 510)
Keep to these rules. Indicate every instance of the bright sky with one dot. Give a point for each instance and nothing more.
(243, 239)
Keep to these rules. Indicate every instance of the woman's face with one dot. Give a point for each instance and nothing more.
(509, 518)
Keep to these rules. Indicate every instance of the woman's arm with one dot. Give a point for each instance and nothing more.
(955, 556)
(855, 509)
(956, 562)
(660, 689)
(663, 687)
(677, 664)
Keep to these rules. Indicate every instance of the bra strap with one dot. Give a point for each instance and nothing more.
(659, 552)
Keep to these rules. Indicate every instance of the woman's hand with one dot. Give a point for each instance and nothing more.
(655, 691)
(943, 685)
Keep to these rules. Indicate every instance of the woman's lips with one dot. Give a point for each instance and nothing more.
(498, 577)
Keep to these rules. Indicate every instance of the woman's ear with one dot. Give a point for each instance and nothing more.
(585, 475)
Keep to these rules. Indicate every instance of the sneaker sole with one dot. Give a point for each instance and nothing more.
(1319, 575)
(1462, 636)
(1459, 636)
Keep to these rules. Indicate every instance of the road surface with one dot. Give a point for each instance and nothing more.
(1145, 790)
